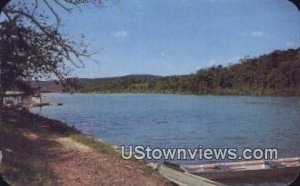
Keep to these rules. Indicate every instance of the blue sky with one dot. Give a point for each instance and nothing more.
(168, 37)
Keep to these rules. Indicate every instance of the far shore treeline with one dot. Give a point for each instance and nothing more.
(274, 74)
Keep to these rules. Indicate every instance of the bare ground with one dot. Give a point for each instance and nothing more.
(38, 151)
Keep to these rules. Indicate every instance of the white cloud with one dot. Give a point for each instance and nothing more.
(162, 54)
(290, 44)
(198, 66)
(120, 33)
(234, 59)
(212, 63)
(257, 34)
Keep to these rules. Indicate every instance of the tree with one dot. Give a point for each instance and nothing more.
(33, 48)
(25, 29)
(296, 3)
(2, 4)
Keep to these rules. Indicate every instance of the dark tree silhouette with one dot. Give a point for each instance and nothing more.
(297, 3)
(32, 48)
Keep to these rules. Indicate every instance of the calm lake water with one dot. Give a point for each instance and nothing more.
(183, 121)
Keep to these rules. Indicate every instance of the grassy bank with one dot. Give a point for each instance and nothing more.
(41, 151)
(95, 144)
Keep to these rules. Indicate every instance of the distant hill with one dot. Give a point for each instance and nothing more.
(277, 73)
(46, 86)
(85, 83)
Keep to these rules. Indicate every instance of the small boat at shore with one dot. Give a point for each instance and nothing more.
(246, 169)
(235, 170)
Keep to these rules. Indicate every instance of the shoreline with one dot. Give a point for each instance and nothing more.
(43, 151)
(75, 131)
(170, 93)
(77, 158)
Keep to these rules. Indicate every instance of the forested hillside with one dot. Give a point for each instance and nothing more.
(277, 73)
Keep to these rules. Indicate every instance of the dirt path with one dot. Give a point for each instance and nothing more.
(37, 154)
(80, 165)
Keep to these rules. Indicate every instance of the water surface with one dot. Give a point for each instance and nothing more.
(183, 121)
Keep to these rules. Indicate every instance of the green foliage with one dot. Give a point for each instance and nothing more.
(33, 48)
(277, 73)
(95, 144)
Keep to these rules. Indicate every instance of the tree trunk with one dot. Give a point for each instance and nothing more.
(1, 124)
(2, 181)
(3, 3)
(2, 92)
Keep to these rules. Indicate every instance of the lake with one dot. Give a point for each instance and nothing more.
(183, 121)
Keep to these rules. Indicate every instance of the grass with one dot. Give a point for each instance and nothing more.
(26, 163)
(149, 171)
(95, 144)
